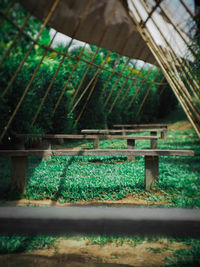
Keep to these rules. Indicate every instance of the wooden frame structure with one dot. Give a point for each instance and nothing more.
(19, 161)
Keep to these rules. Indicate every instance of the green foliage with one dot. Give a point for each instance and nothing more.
(186, 257)
(14, 244)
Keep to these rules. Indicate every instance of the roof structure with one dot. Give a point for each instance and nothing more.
(148, 30)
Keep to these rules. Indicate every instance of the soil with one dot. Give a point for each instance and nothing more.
(81, 253)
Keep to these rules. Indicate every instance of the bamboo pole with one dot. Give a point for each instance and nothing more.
(68, 80)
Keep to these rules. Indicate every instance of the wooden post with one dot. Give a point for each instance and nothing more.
(123, 131)
(164, 133)
(151, 171)
(96, 143)
(153, 141)
(46, 145)
(131, 145)
(18, 173)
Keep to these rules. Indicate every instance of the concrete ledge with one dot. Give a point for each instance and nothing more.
(100, 220)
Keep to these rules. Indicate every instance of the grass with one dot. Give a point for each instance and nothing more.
(16, 244)
(70, 179)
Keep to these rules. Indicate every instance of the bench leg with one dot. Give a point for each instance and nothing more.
(18, 173)
(153, 142)
(151, 171)
(46, 144)
(96, 143)
(131, 145)
(164, 134)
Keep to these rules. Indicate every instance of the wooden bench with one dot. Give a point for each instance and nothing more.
(145, 126)
(153, 131)
(46, 140)
(19, 161)
(95, 138)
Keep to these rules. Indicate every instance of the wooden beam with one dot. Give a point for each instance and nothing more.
(100, 220)
(106, 152)
(85, 136)
(110, 131)
(145, 126)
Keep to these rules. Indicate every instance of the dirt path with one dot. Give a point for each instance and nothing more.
(81, 253)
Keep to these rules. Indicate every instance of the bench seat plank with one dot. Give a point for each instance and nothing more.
(117, 152)
(85, 136)
(106, 131)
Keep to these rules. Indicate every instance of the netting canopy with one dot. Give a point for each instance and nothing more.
(132, 50)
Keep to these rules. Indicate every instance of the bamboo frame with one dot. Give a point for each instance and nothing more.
(172, 79)
(163, 63)
(71, 57)
(120, 90)
(50, 13)
(99, 69)
(182, 64)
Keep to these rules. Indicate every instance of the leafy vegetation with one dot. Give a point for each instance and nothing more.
(16, 244)
(42, 95)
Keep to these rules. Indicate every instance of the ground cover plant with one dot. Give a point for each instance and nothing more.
(71, 179)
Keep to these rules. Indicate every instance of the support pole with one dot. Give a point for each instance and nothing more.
(18, 173)
(96, 143)
(151, 171)
(153, 141)
(46, 145)
(131, 145)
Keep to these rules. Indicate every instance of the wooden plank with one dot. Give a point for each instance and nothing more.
(121, 221)
(117, 152)
(146, 126)
(110, 131)
(151, 171)
(84, 136)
